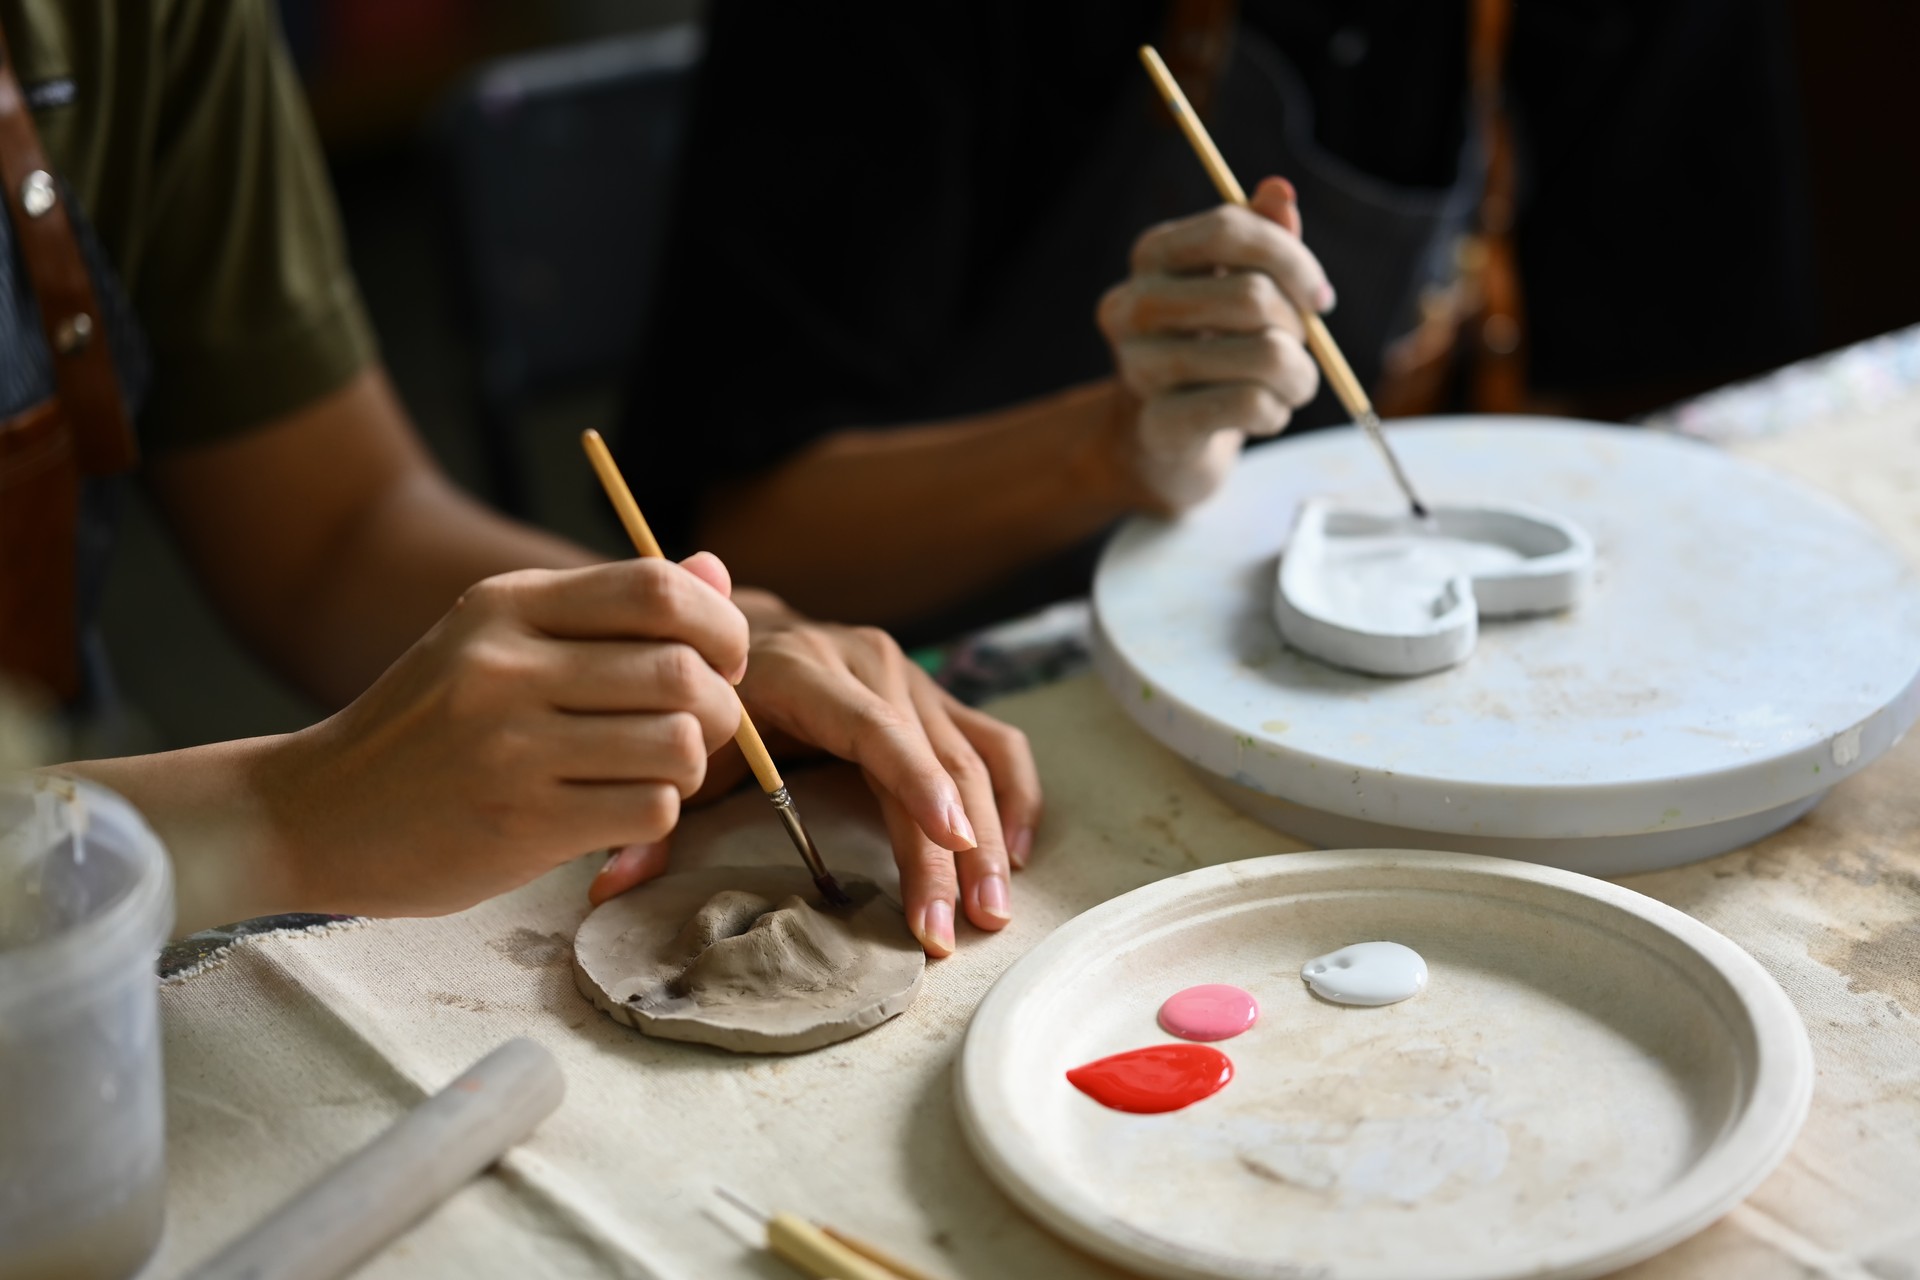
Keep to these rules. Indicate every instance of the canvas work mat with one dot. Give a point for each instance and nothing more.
(292, 1049)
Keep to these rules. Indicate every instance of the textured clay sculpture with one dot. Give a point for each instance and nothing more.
(748, 959)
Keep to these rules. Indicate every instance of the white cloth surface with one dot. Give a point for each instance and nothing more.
(293, 1049)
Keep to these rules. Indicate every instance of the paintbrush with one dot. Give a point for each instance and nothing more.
(746, 736)
(823, 1252)
(1319, 340)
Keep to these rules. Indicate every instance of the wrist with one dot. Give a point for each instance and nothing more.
(1105, 465)
(212, 808)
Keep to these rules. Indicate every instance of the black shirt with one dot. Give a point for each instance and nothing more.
(895, 213)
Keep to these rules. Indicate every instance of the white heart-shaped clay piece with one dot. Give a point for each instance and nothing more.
(1398, 595)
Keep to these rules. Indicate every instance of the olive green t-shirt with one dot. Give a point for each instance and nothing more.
(180, 128)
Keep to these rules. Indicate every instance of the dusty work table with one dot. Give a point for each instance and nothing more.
(289, 1049)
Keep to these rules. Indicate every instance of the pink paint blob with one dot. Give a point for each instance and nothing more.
(1214, 1011)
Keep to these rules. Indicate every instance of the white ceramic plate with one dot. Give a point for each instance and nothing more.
(1590, 1077)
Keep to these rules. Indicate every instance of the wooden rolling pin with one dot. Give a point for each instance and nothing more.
(392, 1182)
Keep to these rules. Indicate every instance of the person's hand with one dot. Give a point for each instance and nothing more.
(547, 714)
(958, 789)
(1206, 337)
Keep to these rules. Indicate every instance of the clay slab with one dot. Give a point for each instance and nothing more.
(1746, 643)
(685, 957)
(1394, 595)
(1589, 1077)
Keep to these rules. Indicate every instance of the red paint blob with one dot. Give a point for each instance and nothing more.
(1165, 1077)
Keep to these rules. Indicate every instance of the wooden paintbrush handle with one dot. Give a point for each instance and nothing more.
(764, 770)
(1333, 362)
(1339, 373)
(645, 544)
(801, 1244)
(875, 1254)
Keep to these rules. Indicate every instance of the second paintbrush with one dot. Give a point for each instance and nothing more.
(1333, 362)
(765, 772)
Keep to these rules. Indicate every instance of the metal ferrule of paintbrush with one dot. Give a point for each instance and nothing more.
(809, 852)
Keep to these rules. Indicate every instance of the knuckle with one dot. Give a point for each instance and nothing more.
(686, 739)
(876, 720)
(681, 673)
(1263, 296)
(658, 588)
(1247, 403)
(1146, 247)
(487, 673)
(656, 811)
(873, 639)
(963, 765)
(490, 596)
(1275, 345)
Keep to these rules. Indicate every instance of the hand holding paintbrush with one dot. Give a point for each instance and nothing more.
(1339, 373)
(957, 789)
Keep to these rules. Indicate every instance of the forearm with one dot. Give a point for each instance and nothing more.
(875, 526)
(400, 567)
(208, 806)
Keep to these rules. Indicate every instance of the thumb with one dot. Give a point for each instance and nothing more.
(710, 569)
(628, 865)
(1276, 200)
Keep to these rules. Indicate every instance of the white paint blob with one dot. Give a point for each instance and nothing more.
(1369, 973)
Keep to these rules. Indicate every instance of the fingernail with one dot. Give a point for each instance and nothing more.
(993, 897)
(936, 931)
(1323, 299)
(1020, 845)
(959, 827)
(1293, 197)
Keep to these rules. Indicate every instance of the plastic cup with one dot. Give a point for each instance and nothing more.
(86, 900)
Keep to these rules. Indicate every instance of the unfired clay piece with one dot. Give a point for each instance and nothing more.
(748, 959)
(1394, 595)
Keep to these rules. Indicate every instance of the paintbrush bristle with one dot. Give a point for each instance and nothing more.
(830, 890)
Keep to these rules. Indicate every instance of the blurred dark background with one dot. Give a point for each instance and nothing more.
(492, 354)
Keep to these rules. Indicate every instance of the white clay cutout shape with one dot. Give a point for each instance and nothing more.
(1394, 595)
(1367, 973)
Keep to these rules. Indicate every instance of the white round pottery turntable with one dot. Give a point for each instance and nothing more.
(1746, 643)
(1589, 1077)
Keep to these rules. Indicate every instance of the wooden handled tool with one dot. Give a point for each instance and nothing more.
(748, 737)
(822, 1252)
(389, 1184)
(1333, 362)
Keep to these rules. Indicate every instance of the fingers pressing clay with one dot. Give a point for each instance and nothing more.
(748, 959)
(626, 867)
(1016, 780)
(928, 884)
